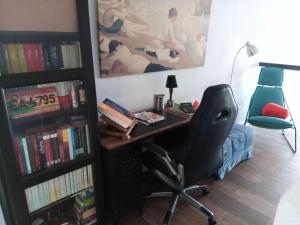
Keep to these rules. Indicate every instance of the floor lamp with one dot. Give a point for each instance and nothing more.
(251, 51)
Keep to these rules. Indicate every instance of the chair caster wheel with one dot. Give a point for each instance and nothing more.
(205, 191)
(212, 221)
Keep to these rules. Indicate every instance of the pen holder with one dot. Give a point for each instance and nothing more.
(158, 102)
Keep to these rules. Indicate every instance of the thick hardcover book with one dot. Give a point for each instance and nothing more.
(30, 153)
(118, 108)
(19, 155)
(36, 152)
(105, 109)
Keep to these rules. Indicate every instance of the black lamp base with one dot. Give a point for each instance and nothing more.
(170, 103)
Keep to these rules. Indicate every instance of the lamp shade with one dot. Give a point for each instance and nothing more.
(171, 82)
(251, 49)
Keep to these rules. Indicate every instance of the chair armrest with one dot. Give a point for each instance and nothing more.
(156, 149)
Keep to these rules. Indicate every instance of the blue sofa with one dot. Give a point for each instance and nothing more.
(237, 147)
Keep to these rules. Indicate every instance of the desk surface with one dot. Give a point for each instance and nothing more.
(142, 131)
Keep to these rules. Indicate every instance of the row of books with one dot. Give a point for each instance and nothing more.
(84, 209)
(43, 150)
(31, 57)
(116, 113)
(58, 188)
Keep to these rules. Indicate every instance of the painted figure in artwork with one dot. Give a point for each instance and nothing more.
(151, 35)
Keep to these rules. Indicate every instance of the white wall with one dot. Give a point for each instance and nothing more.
(269, 24)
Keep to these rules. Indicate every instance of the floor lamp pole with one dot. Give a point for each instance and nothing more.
(234, 62)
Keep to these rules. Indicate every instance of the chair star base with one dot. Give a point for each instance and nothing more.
(185, 196)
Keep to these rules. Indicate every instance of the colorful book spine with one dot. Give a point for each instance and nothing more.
(19, 155)
(27, 160)
(36, 152)
(118, 108)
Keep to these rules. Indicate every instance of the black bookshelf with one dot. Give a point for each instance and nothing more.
(13, 182)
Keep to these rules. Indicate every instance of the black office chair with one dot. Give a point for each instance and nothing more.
(201, 152)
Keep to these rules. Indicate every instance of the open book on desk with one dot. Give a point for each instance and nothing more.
(148, 118)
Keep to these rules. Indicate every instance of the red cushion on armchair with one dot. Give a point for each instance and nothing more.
(275, 110)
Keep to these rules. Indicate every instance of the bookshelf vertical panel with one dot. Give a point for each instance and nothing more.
(10, 175)
(87, 64)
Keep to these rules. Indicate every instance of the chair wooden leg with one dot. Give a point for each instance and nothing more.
(294, 149)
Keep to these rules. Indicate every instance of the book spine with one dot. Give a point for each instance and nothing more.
(3, 69)
(88, 139)
(28, 51)
(55, 147)
(46, 56)
(28, 166)
(30, 153)
(73, 142)
(23, 156)
(42, 150)
(66, 144)
(36, 152)
(6, 59)
(118, 108)
(71, 152)
(40, 63)
(21, 57)
(48, 149)
(61, 145)
(13, 58)
(19, 155)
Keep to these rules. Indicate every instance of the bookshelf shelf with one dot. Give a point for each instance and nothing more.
(42, 77)
(56, 170)
(36, 36)
(64, 201)
(43, 118)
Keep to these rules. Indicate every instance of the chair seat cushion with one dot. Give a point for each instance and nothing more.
(275, 110)
(270, 122)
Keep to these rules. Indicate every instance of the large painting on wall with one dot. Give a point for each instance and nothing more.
(140, 36)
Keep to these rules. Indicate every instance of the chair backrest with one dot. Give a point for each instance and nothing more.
(271, 76)
(202, 153)
(269, 89)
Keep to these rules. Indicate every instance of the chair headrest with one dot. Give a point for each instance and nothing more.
(271, 76)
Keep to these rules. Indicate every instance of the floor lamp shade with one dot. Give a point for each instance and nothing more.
(251, 51)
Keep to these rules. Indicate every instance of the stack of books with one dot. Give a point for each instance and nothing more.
(116, 115)
(148, 118)
(84, 208)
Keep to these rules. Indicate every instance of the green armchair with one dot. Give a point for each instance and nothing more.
(269, 89)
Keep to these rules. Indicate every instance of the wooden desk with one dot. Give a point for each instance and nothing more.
(122, 161)
(142, 131)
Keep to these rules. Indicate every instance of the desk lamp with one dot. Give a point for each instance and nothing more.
(171, 83)
(251, 51)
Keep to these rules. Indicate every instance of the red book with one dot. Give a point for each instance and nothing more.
(61, 146)
(38, 57)
(36, 152)
(18, 151)
(28, 51)
(48, 149)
